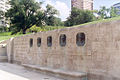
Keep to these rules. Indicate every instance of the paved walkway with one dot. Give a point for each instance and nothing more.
(15, 72)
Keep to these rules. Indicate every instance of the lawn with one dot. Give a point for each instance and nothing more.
(99, 21)
(7, 35)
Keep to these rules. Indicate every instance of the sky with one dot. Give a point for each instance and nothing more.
(64, 6)
(107, 3)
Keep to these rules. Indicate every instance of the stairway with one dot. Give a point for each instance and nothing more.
(3, 53)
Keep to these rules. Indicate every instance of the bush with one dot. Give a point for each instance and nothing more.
(45, 28)
(48, 28)
(79, 17)
(35, 29)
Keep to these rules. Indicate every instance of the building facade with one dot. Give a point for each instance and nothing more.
(117, 6)
(82, 4)
(4, 6)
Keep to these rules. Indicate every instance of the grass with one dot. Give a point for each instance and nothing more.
(49, 28)
(99, 21)
(7, 35)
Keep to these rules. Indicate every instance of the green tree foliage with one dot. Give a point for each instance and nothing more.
(79, 17)
(107, 12)
(45, 28)
(103, 12)
(58, 22)
(50, 16)
(51, 11)
(54, 21)
(1, 14)
(2, 27)
(24, 14)
(113, 12)
(35, 29)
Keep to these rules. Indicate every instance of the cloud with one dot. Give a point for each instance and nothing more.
(45, 2)
(49, 2)
(63, 9)
(60, 6)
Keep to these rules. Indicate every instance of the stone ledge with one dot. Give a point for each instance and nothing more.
(69, 75)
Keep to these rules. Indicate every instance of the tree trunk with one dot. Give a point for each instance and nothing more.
(24, 31)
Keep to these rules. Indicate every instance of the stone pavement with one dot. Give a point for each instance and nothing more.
(16, 72)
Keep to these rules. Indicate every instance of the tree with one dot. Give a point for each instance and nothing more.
(58, 22)
(50, 16)
(1, 14)
(24, 14)
(113, 12)
(107, 12)
(103, 12)
(2, 27)
(78, 16)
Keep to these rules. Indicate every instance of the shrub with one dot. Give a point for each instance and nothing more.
(45, 28)
(35, 29)
(79, 17)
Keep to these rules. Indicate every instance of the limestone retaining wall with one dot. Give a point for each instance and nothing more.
(3, 53)
(99, 57)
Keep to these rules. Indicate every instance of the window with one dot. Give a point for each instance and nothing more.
(49, 41)
(62, 39)
(39, 42)
(80, 39)
(31, 42)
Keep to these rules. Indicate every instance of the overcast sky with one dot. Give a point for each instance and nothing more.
(64, 6)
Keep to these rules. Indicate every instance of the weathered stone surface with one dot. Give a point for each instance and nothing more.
(3, 53)
(99, 57)
(67, 75)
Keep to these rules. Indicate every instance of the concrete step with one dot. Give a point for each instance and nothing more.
(3, 58)
(67, 75)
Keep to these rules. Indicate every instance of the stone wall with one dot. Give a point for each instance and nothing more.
(3, 50)
(99, 57)
(3, 53)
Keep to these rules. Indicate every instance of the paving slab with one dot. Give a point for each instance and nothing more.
(16, 72)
